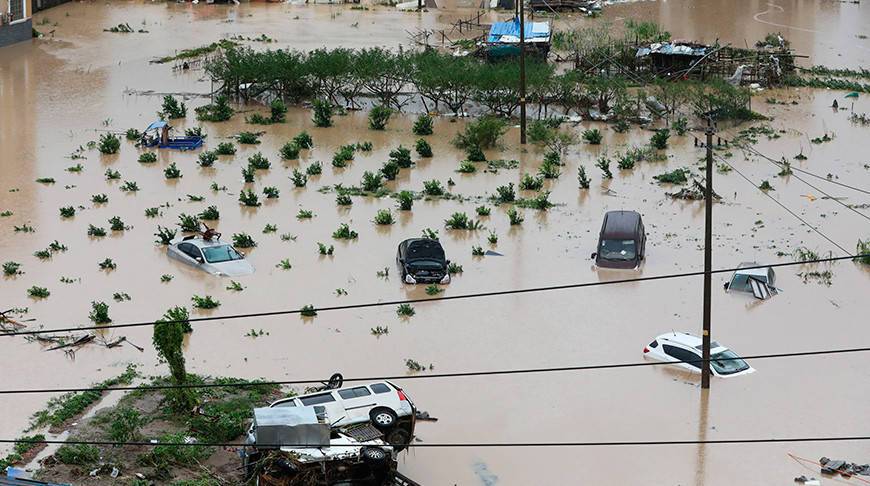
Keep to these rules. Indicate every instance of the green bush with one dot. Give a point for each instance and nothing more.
(125, 425)
(483, 133)
(423, 148)
(660, 138)
(218, 111)
(593, 136)
(676, 176)
(248, 138)
(77, 454)
(406, 200)
(225, 148)
(384, 217)
(433, 188)
(207, 158)
(423, 125)
(148, 157)
(277, 111)
(505, 194)
(172, 171)
(322, 113)
(531, 183)
(379, 116)
(371, 182)
(289, 151)
(390, 170)
(109, 143)
(303, 140)
(172, 108)
(259, 162)
(402, 157)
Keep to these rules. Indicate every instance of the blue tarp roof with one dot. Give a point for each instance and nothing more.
(157, 124)
(511, 31)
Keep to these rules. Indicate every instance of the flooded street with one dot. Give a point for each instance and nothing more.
(59, 92)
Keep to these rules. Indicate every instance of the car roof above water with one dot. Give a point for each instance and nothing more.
(689, 340)
(620, 224)
(201, 243)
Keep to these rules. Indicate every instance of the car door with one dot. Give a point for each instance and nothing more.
(190, 252)
(688, 359)
(334, 408)
(358, 402)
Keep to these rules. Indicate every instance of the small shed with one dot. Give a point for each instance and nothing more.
(672, 57)
(503, 39)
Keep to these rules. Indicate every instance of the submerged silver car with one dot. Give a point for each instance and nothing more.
(211, 255)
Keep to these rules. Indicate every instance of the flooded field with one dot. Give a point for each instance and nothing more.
(60, 92)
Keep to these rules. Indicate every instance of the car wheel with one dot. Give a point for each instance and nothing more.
(335, 381)
(374, 455)
(399, 438)
(383, 418)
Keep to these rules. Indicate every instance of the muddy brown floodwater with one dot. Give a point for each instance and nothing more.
(59, 92)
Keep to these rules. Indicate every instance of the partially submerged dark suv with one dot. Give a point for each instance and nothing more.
(421, 260)
(622, 241)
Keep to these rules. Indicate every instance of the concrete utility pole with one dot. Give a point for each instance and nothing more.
(708, 260)
(522, 73)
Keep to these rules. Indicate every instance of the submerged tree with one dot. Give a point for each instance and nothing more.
(167, 339)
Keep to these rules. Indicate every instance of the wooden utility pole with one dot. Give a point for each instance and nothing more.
(708, 260)
(522, 73)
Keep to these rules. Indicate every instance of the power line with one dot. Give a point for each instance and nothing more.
(462, 374)
(437, 299)
(462, 444)
(783, 206)
(796, 169)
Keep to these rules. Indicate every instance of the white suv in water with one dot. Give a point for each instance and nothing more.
(684, 350)
(382, 403)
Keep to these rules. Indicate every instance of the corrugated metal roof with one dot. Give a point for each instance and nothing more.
(672, 49)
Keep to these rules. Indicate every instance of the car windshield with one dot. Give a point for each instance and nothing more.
(424, 250)
(618, 250)
(219, 254)
(727, 363)
(426, 265)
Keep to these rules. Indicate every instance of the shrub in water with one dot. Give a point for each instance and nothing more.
(289, 151)
(379, 116)
(322, 113)
(406, 200)
(109, 143)
(423, 125)
(390, 170)
(249, 198)
(401, 156)
(423, 148)
(593, 136)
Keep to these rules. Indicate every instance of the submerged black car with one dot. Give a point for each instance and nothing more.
(421, 260)
(622, 241)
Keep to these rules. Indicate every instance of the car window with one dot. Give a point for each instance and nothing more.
(316, 399)
(189, 250)
(682, 355)
(740, 282)
(220, 254)
(356, 392)
(380, 388)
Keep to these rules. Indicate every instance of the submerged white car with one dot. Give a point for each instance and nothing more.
(211, 255)
(684, 350)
